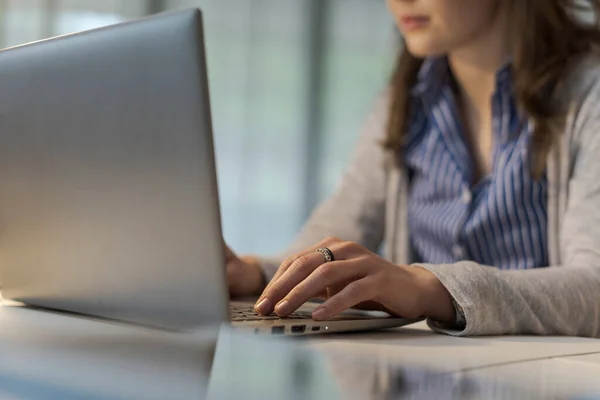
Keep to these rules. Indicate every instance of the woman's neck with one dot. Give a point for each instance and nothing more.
(474, 67)
(475, 64)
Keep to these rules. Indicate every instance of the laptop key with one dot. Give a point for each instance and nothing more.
(252, 318)
(248, 314)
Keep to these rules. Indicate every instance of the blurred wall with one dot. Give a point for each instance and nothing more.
(291, 82)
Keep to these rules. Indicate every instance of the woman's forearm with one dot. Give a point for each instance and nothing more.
(546, 301)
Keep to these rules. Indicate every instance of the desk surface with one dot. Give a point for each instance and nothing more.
(543, 367)
(48, 355)
(52, 356)
(418, 345)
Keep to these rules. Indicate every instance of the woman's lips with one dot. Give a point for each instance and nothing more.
(411, 23)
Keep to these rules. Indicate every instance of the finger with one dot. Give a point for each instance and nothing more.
(356, 292)
(325, 275)
(296, 273)
(300, 270)
(289, 261)
(341, 251)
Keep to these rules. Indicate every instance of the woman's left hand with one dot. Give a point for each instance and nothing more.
(357, 278)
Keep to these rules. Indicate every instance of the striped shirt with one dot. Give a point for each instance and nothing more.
(499, 221)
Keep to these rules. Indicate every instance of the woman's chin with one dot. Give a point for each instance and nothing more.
(423, 49)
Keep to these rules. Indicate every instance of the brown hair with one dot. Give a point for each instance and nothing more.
(549, 37)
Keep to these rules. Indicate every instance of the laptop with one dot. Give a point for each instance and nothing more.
(108, 192)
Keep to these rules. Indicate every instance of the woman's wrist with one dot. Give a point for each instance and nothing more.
(437, 301)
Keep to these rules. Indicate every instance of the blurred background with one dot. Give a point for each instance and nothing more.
(291, 83)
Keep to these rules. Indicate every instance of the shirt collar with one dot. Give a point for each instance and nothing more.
(432, 75)
(504, 77)
(435, 73)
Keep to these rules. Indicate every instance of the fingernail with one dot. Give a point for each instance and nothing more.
(262, 306)
(282, 307)
(319, 313)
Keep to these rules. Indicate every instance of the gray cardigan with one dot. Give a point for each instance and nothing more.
(369, 207)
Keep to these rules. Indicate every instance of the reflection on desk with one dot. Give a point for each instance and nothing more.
(256, 368)
(45, 355)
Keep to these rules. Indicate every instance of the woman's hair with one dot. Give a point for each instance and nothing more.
(550, 35)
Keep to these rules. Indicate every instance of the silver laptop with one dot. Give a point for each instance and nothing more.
(108, 190)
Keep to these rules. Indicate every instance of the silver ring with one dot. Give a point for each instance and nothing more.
(327, 254)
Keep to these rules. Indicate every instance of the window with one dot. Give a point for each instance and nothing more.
(358, 62)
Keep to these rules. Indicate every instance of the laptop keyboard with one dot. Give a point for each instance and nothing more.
(237, 313)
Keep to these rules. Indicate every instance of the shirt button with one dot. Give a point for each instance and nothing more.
(459, 251)
(467, 196)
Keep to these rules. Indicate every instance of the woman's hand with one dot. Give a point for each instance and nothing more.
(244, 275)
(356, 278)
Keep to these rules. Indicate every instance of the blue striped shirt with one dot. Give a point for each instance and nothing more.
(499, 221)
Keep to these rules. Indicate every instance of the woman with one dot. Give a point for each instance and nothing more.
(479, 166)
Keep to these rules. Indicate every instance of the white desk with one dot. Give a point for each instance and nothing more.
(418, 345)
(74, 357)
(51, 356)
(566, 377)
(558, 366)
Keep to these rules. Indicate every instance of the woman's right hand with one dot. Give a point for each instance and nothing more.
(244, 275)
